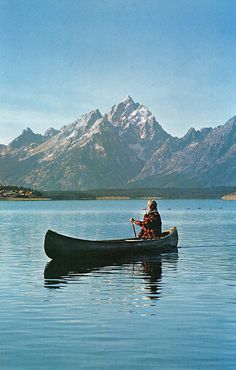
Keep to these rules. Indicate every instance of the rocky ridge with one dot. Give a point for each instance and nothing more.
(124, 147)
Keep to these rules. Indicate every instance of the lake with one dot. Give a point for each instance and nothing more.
(171, 311)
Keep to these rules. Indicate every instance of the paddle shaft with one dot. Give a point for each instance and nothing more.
(134, 229)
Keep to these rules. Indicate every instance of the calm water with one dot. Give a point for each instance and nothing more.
(174, 311)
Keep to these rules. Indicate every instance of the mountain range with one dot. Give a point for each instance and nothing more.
(125, 147)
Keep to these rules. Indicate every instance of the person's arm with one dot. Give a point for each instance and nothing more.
(136, 222)
(139, 223)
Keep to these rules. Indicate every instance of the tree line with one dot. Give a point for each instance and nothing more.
(165, 193)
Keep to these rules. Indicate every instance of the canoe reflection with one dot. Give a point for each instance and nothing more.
(148, 269)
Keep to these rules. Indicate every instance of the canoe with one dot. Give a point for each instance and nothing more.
(58, 246)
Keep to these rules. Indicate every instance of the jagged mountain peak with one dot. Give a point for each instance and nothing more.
(94, 114)
(27, 130)
(101, 125)
(87, 120)
(26, 138)
(128, 100)
(129, 139)
(191, 131)
(128, 113)
(78, 128)
(190, 134)
(231, 121)
(229, 128)
(49, 133)
(123, 109)
(136, 119)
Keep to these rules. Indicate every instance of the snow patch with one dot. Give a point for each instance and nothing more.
(48, 158)
(99, 147)
(73, 134)
(194, 144)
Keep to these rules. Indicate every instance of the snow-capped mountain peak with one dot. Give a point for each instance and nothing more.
(122, 110)
(79, 127)
(136, 122)
(126, 145)
(87, 120)
(128, 100)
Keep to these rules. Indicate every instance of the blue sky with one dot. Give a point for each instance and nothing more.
(62, 58)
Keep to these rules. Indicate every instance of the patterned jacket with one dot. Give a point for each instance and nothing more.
(150, 226)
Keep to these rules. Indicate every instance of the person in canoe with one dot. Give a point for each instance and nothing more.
(151, 223)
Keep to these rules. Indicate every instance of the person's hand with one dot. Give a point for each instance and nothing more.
(132, 219)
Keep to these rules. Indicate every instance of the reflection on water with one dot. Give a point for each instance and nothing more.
(152, 278)
(58, 274)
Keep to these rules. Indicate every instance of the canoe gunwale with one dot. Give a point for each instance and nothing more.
(108, 241)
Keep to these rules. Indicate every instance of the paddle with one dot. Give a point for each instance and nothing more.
(132, 222)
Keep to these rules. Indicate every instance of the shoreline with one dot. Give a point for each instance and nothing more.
(43, 199)
(226, 197)
(229, 197)
(23, 199)
(15, 194)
